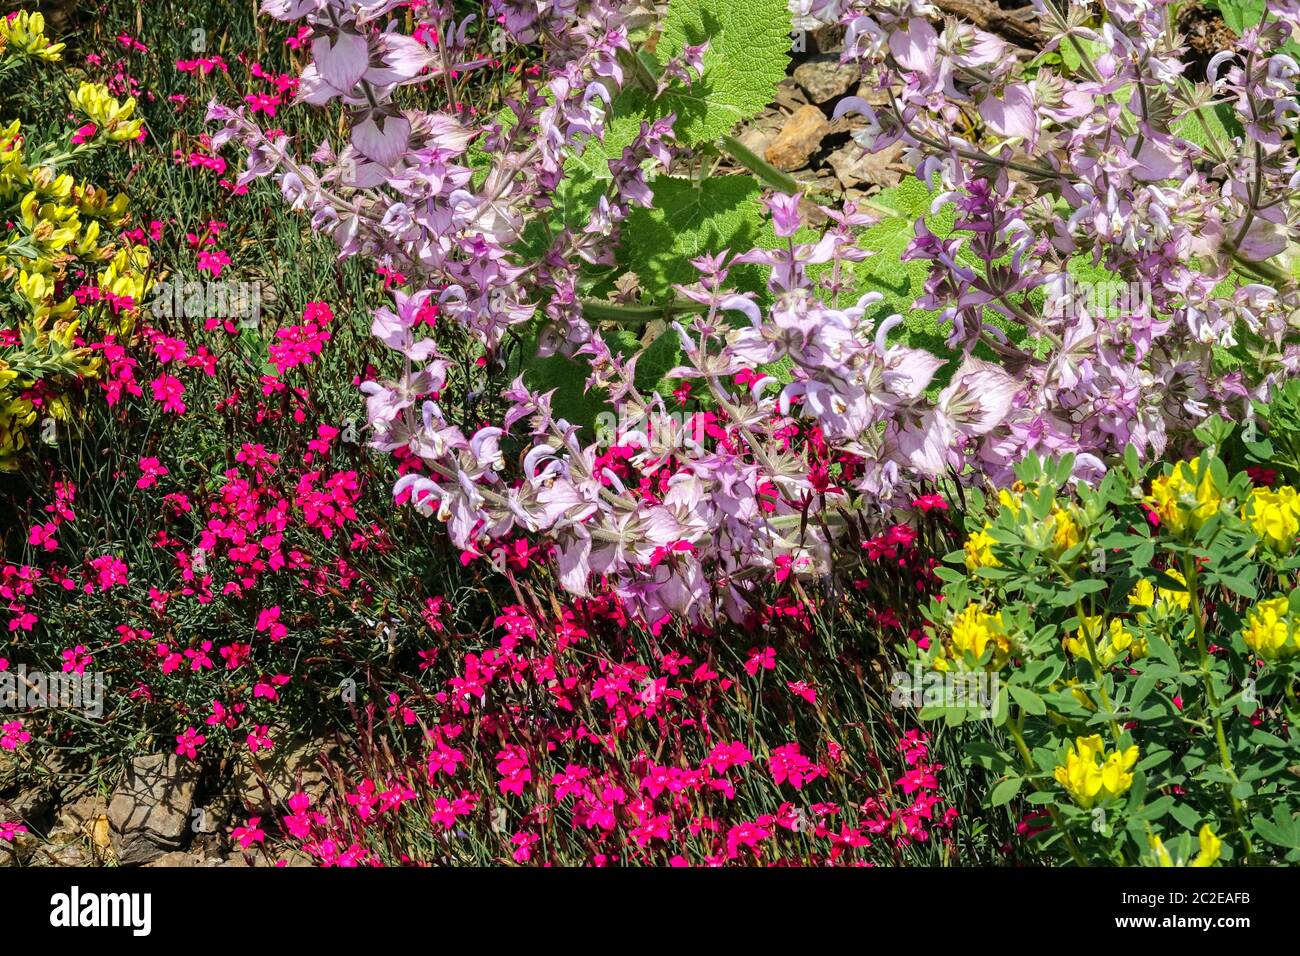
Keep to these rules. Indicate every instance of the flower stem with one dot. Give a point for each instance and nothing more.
(761, 168)
(637, 314)
(1032, 767)
(1212, 699)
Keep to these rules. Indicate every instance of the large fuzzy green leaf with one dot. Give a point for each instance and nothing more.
(688, 220)
(749, 45)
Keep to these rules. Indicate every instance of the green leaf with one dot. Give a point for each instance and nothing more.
(1145, 684)
(654, 361)
(689, 219)
(1216, 124)
(749, 45)
(1188, 816)
(885, 272)
(1005, 791)
(1240, 15)
(568, 377)
(1027, 699)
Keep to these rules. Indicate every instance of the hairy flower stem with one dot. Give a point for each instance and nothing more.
(1198, 626)
(761, 168)
(637, 314)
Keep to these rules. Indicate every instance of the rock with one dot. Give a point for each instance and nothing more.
(874, 95)
(854, 166)
(824, 77)
(829, 39)
(758, 135)
(179, 858)
(810, 210)
(150, 811)
(286, 771)
(214, 815)
(28, 805)
(20, 850)
(52, 854)
(79, 815)
(84, 818)
(798, 139)
(790, 95)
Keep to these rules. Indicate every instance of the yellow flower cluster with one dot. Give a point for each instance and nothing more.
(1113, 643)
(63, 238)
(1091, 775)
(1056, 534)
(1211, 847)
(1274, 514)
(1148, 597)
(973, 631)
(24, 35)
(113, 118)
(1185, 499)
(979, 550)
(1271, 631)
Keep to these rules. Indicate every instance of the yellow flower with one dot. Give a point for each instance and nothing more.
(1211, 847)
(1158, 849)
(93, 201)
(25, 33)
(1066, 532)
(1275, 516)
(979, 550)
(1146, 595)
(1078, 693)
(1185, 499)
(103, 109)
(1111, 646)
(973, 630)
(1089, 774)
(1270, 632)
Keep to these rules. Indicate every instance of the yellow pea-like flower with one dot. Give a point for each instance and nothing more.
(25, 34)
(1270, 630)
(1210, 850)
(1066, 532)
(1091, 775)
(979, 551)
(974, 630)
(1211, 847)
(1274, 515)
(1112, 643)
(113, 118)
(1147, 596)
(1185, 498)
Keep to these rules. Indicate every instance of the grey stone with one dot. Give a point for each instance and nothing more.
(180, 858)
(150, 811)
(286, 772)
(854, 166)
(54, 854)
(27, 805)
(824, 77)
